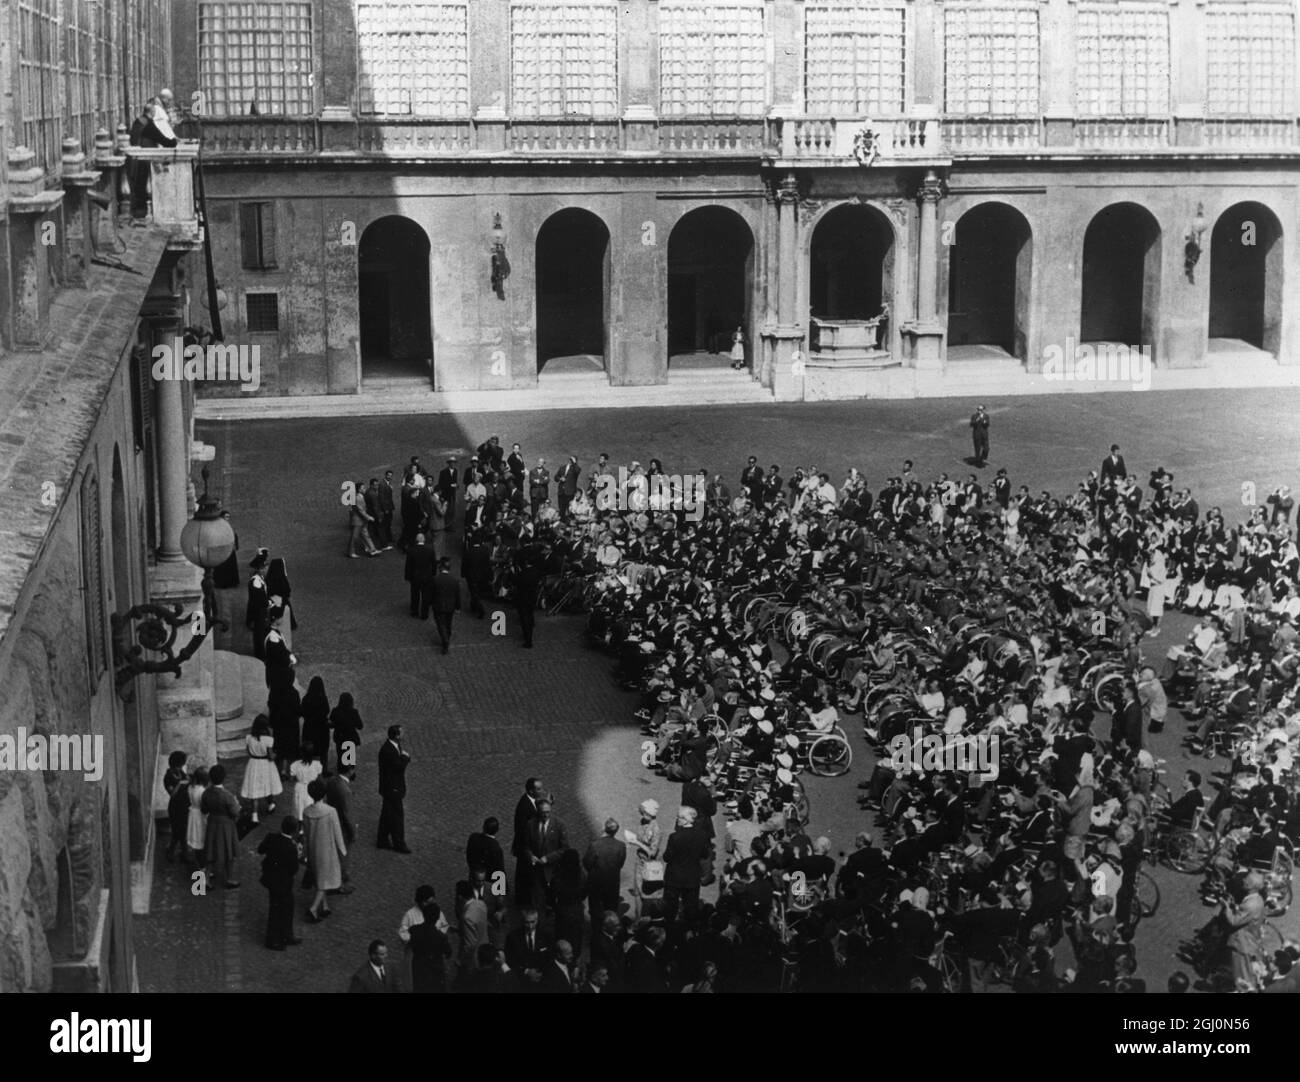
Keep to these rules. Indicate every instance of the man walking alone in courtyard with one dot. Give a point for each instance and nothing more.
(979, 430)
(393, 761)
(445, 591)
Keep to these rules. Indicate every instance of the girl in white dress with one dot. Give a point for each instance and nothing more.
(305, 771)
(196, 825)
(738, 348)
(261, 779)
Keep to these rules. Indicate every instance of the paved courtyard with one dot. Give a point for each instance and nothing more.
(489, 714)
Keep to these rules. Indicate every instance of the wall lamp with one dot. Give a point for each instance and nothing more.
(207, 542)
(500, 263)
(1192, 247)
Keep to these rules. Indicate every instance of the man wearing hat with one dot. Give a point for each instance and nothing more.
(979, 429)
(447, 486)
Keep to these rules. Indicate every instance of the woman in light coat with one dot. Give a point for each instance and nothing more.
(325, 849)
(648, 841)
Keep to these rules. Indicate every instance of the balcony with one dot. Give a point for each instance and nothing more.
(1252, 133)
(990, 134)
(565, 136)
(860, 140)
(421, 138)
(1122, 133)
(171, 188)
(799, 139)
(711, 135)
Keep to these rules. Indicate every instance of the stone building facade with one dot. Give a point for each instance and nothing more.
(94, 464)
(866, 188)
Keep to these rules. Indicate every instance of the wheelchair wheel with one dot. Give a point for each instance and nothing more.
(1187, 851)
(830, 756)
(1147, 895)
(1277, 898)
(1271, 940)
(949, 973)
(1108, 691)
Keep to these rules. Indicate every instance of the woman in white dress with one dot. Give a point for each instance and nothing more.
(738, 348)
(261, 778)
(305, 771)
(196, 825)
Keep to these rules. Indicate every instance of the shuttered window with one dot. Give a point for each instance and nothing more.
(257, 235)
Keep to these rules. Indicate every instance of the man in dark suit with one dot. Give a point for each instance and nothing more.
(384, 520)
(751, 480)
(597, 979)
(447, 486)
(607, 943)
(377, 975)
(684, 856)
(484, 851)
(604, 862)
(279, 867)
(558, 974)
(527, 584)
(338, 795)
(642, 963)
(539, 485)
(979, 431)
(566, 484)
(420, 562)
(393, 761)
(528, 949)
(515, 464)
(1112, 466)
(546, 840)
(476, 570)
(525, 811)
(445, 596)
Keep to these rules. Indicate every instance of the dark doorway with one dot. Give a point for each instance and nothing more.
(852, 264)
(989, 278)
(572, 287)
(1246, 277)
(1121, 276)
(393, 288)
(710, 282)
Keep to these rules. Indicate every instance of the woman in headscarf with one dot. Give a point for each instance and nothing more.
(285, 708)
(316, 720)
(648, 842)
(277, 585)
(221, 840)
(346, 723)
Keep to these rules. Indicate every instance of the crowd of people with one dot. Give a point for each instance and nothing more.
(758, 622)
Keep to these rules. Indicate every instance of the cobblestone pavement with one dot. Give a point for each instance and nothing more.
(489, 714)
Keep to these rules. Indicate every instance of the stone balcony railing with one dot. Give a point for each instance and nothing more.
(171, 186)
(882, 139)
(895, 140)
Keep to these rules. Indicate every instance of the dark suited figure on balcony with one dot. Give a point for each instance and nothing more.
(150, 129)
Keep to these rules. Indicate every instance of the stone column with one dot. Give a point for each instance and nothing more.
(489, 71)
(173, 449)
(787, 376)
(33, 232)
(1187, 59)
(78, 232)
(926, 333)
(928, 257)
(110, 165)
(1057, 29)
(639, 62)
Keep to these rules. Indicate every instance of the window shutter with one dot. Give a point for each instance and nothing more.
(266, 219)
(248, 235)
